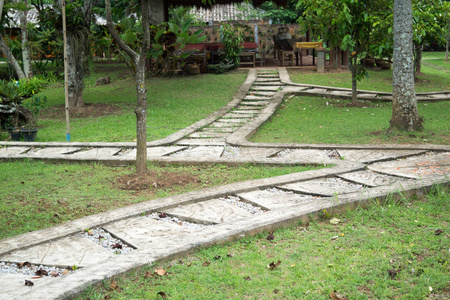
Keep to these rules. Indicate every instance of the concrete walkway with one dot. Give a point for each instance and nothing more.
(122, 239)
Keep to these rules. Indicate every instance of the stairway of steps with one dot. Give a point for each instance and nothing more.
(266, 84)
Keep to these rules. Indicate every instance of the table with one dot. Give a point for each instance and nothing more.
(307, 45)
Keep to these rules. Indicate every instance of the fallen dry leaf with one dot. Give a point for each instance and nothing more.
(162, 294)
(28, 283)
(270, 237)
(206, 263)
(116, 246)
(247, 278)
(24, 264)
(162, 215)
(438, 232)
(160, 272)
(114, 285)
(273, 265)
(66, 271)
(275, 291)
(36, 277)
(334, 296)
(41, 272)
(335, 221)
(230, 255)
(393, 272)
(148, 275)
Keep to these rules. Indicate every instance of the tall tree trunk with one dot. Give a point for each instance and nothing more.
(7, 52)
(26, 54)
(404, 106)
(139, 61)
(353, 66)
(75, 69)
(418, 59)
(11, 59)
(448, 40)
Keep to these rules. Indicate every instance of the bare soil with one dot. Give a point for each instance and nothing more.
(152, 180)
(93, 110)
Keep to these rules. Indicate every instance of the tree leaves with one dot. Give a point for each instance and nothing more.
(273, 265)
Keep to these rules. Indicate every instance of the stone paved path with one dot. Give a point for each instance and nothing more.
(156, 229)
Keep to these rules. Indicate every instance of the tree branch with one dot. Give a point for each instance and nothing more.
(110, 26)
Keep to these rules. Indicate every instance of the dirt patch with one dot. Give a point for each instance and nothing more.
(153, 180)
(93, 110)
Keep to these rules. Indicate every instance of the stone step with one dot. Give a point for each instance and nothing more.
(202, 142)
(12, 151)
(243, 107)
(258, 88)
(200, 151)
(52, 151)
(326, 187)
(250, 153)
(269, 83)
(260, 93)
(257, 98)
(73, 250)
(147, 233)
(246, 111)
(262, 80)
(215, 129)
(371, 156)
(212, 211)
(203, 134)
(154, 151)
(372, 179)
(95, 153)
(238, 116)
(255, 103)
(275, 198)
(306, 156)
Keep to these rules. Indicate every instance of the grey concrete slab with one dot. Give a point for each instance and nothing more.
(326, 187)
(316, 91)
(49, 151)
(365, 95)
(211, 211)
(206, 134)
(372, 179)
(73, 250)
(261, 93)
(200, 151)
(256, 152)
(12, 286)
(268, 83)
(257, 98)
(143, 232)
(12, 151)
(202, 142)
(232, 121)
(155, 151)
(246, 111)
(313, 156)
(260, 76)
(265, 79)
(238, 116)
(265, 88)
(276, 198)
(94, 153)
(221, 125)
(245, 107)
(418, 167)
(255, 103)
(219, 129)
(440, 96)
(340, 93)
(371, 156)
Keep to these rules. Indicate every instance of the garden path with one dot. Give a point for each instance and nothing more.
(110, 243)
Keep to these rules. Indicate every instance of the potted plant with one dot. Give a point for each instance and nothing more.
(34, 104)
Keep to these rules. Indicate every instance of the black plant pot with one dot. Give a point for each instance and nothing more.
(14, 133)
(29, 135)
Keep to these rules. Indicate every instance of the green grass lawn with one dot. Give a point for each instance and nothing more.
(388, 251)
(173, 104)
(435, 77)
(316, 120)
(36, 195)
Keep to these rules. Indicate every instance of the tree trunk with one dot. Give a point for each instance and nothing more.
(139, 62)
(141, 116)
(11, 59)
(418, 60)
(404, 106)
(353, 66)
(26, 55)
(75, 63)
(448, 40)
